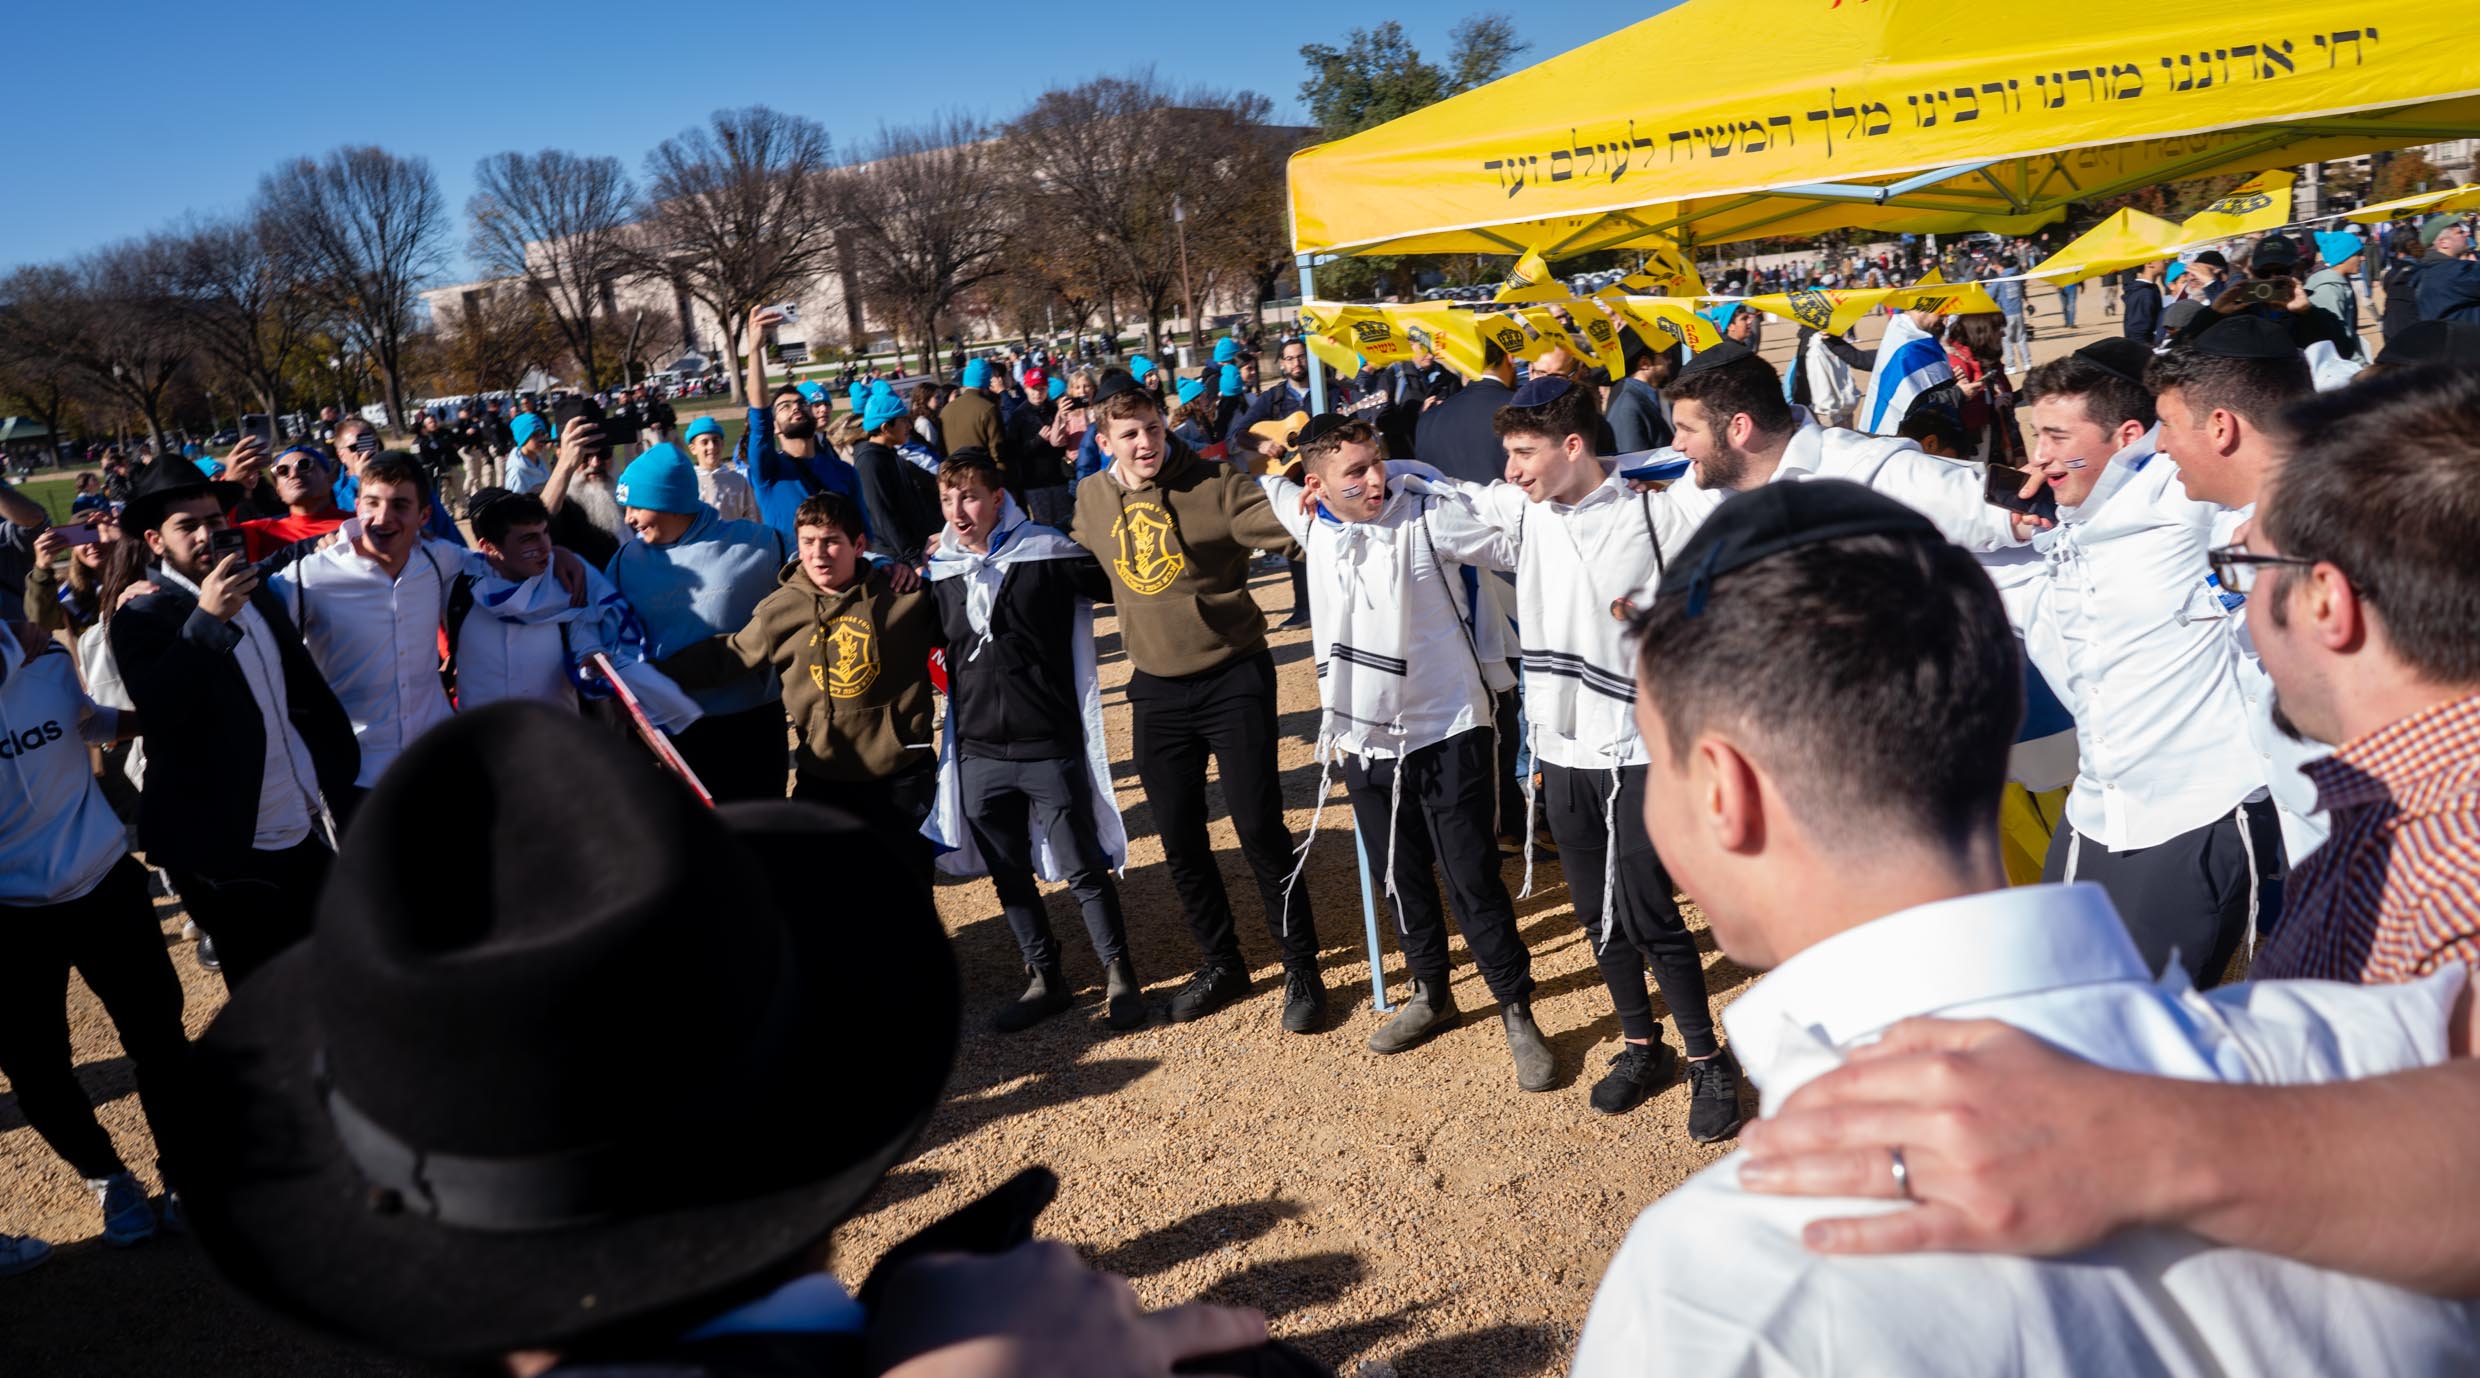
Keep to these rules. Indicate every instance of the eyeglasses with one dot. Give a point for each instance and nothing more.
(2234, 566)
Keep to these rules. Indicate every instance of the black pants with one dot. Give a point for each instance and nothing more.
(1510, 708)
(1450, 797)
(1004, 801)
(109, 934)
(2188, 895)
(742, 755)
(1646, 927)
(1228, 714)
(895, 805)
(257, 906)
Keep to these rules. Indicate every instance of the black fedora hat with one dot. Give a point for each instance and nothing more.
(170, 479)
(566, 1053)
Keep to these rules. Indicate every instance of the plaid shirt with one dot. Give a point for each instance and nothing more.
(2395, 892)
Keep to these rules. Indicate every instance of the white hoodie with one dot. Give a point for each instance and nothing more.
(1948, 492)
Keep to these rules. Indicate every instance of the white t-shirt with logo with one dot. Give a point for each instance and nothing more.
(58, 836)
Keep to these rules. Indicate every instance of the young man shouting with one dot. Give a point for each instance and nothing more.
(1587, 547)
(1410, 707)
(1174, 534)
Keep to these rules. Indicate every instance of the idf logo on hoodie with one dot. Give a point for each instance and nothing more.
(847, 664)
(1146, 563)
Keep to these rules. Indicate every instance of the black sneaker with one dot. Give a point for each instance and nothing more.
(1209, 990)
(1713, 1098)
(1304, 1002)
(1633, 1075)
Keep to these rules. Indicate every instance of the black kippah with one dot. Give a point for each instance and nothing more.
(2453, 344)
(2244, 337)
(2118, 355)
(1765, 522)
(1540, 389)
(1723, 355)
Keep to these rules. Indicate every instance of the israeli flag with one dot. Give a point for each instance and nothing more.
(1910, 361)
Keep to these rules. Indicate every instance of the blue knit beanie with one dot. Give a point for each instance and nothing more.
(977, 373)
(1140, 367)
(811, 391)
(1190, 389)
(1226, 349)
(1058, 388)
(1231, 381)
(704, 425)
(883, 408)
(524, 426)
(660, 480)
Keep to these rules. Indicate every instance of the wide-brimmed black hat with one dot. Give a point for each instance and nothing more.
(566, 1051)
(170, 479)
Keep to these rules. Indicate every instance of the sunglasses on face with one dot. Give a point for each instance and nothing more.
(306, 466)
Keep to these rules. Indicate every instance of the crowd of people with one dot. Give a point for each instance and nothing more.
(424, 741)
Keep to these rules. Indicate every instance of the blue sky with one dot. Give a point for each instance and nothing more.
(126, 118)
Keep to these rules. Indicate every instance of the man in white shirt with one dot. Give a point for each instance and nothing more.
(2220, 399)
(1738, 433)
(1869, 905)
(2169, 812)
(369, 608)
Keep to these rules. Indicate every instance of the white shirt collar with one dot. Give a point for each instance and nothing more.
(1794, 1022)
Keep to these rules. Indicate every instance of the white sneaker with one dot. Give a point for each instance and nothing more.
(21, 1253)
(127, 1218)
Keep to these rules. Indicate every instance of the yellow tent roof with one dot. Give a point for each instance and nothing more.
(2462, 198)
(1720, 120)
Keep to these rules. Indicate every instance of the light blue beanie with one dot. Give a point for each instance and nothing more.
(524, 426)
(1231, 381)
(660, 480)
(883, 408)
(1058, 388)
(1190, 389)
(977, 373)
(1226, 349)
(704, 425)
(1140, 367)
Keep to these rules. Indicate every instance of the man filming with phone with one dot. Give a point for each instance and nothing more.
(245, 742)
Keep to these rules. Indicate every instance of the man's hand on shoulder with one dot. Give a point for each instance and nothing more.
(571, 574)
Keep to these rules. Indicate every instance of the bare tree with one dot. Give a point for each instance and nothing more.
(110, 321)
(1108, 157)
(369, 228)
(740, 213)
(560, 222)
(243, 294)
(37, 313)
(926, 216)
(490, 344)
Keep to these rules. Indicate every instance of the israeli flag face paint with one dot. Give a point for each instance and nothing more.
(2076, 464)
(1352, 492)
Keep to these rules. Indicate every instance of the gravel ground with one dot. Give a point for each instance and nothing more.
(1416, 1211)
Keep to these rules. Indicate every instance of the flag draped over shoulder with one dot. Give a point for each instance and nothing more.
(1910, 361)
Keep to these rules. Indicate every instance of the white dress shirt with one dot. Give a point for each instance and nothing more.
(288, 785)
(1713, 1280)
(376, 638)
(2135, 640)
(1948, 492)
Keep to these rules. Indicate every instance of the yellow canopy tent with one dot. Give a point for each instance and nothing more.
(1894, 115)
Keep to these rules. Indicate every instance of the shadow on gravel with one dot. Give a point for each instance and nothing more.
(1281, 1286)
(963, 1114)
(1490, 1350)
(104, 1080)
(1209, 1230)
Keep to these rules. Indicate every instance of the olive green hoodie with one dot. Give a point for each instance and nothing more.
(855, 668)
(1177, 553)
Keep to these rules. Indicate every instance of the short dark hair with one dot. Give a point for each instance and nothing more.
(2384, 482)
(395, 466)
(832, 510)
(784, 391)
(1745, 387)
(492, 519)
(1888, 659)
(1923, 423)
(2110, 399)
(2258, 389)
(1492, 355)
(971, 462)
(1330, 444)
(1573, 412)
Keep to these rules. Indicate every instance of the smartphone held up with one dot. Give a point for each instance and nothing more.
(2005, 486)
